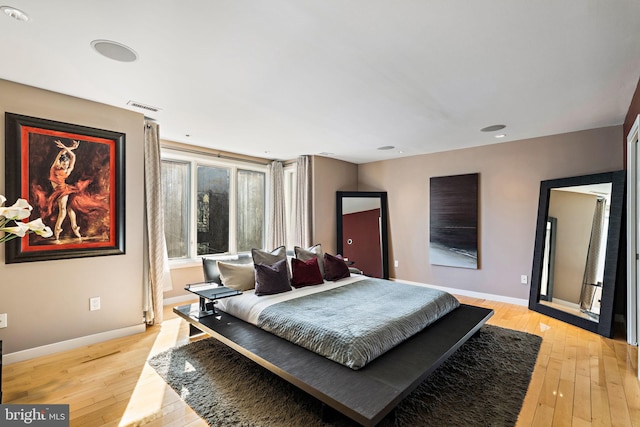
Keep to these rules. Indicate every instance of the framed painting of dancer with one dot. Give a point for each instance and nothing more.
(73, 177)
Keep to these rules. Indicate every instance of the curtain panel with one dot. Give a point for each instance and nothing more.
(157, 276)
(302, 203)
(276, 233)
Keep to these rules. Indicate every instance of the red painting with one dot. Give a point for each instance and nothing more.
(73, 178)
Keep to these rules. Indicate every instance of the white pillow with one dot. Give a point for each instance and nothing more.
(240, 277)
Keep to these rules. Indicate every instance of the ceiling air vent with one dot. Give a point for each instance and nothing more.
(143, 106)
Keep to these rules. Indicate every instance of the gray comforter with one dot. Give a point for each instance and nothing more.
(356, 323)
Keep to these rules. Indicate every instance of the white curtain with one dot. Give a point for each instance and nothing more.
(276, 234)
(302, 203)
(157, 276)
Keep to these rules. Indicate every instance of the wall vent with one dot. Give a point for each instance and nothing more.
(143, 106)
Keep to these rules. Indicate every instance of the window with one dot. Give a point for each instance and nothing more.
(212, 206)
(175, 198)
(250, 210)
(213, 185)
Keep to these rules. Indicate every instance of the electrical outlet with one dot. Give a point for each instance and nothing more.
(3, 320)
(395, 263)
(94, 303)
(523, 279)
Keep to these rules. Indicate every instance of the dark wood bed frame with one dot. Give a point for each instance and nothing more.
(366, 395)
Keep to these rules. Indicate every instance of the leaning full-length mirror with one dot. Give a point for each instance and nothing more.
(362, 231)
(576, 249)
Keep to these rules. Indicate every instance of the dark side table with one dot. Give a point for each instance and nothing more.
(209, 293)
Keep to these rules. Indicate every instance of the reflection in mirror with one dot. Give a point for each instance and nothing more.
(362, 231)
(548, 266)
(576, 254)
(575, 246)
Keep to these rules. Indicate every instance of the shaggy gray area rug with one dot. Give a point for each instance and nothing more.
(482, 384)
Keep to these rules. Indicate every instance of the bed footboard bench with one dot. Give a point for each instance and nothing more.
(387, 379)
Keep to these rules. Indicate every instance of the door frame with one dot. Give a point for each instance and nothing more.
(633, 239)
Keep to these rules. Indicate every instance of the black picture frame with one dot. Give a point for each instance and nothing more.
(453, 221)
(93, 182)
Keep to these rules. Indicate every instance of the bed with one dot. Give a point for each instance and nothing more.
(350, 321)
(363, 381)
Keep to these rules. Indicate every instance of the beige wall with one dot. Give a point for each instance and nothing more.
(181, 277)
(48, 301)
(510, 175)
(329, 175)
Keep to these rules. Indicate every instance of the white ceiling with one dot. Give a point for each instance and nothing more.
(281, 78)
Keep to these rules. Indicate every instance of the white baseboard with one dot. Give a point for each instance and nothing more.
(179, 299)
(472, 294)
(31, 353)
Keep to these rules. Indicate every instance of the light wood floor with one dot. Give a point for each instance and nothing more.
(580, 379)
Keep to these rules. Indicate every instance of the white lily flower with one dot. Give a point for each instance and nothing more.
(38, 227)
(19, 230)
(13, 214)
(19, 210)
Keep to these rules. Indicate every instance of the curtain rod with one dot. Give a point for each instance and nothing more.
(217, 155)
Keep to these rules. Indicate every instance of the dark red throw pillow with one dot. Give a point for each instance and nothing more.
(335, 268)
(306, 273)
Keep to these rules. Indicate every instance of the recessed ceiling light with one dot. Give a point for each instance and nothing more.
(492, 128)
(325, 153)
(114, 50)
(501, 135)
(15, 13)
(386, 147)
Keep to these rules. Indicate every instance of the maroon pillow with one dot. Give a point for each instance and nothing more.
(335, 268)
(306, 273)
(314, 251)
(272, 279)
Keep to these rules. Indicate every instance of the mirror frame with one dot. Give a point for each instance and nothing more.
(605, 324)
(382, 195)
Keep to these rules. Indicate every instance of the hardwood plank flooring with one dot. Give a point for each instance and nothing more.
(580, 378)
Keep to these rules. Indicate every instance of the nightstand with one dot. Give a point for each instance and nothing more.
(209, 293)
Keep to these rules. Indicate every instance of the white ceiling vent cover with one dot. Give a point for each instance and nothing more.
(143, 106)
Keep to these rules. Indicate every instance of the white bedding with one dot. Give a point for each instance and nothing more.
(248, 306)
